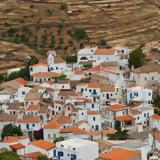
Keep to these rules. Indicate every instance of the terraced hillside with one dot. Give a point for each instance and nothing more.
(120, 22)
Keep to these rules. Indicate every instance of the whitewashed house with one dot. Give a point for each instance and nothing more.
(37, 68)
(147, 74)
(140, 94)
(45, 147)
(76, 149)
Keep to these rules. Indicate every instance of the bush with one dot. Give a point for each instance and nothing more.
(136, 58)
(71, 59)
(58, 139)
(63, 6)
(79, 34)
(11, 130)
(9, 156)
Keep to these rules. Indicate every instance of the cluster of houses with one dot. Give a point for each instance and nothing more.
(82, 106)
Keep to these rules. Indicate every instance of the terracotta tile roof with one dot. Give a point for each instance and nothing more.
(46, 75)
(4, 117)
(94, 85)
(107, 88)
(120, 153)
(116, 107)
(94, 69)
(21, 81)
(93, 113)
(52, 125)
(135, 112)
(63, 119)
(11, 139)
(34, 155)
(156, 117)
(33, 96)
(105, 51)
(68, 92)
(17, 146)
(125, 118)
(74, 130)
(39, 64)
(33, 107)
(102, 132)
(43, 144)
(78, 72)
(28, 120)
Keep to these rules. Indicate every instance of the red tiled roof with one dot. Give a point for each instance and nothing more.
(63, 119)
(119, 154)
(17, 146)
(46, 74)
(92, 113)
(94, 69)
(116, 107)
(125, 118)
(43, 144)
(52, 125)
(28, 120)
(74, 130)
(94, 85)
(33, 107)
(21, 81)
(105, 51)
(156, 117)
(79, 72)
(11, 139)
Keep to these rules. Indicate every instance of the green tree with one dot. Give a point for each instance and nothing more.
(42, 157)
(52, 41)
(1, 78)
(9, 156)
(63, 6)
(34, 60)
(61, 41)
(44, 39)
(119, 135)
(35, 41)
(23, 73)
(136, 58)
(71, 59)
(79, 34)
(11, 130)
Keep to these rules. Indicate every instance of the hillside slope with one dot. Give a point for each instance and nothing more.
(120, 22)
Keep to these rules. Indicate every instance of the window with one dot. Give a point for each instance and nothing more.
(123, 112)
(23, 93)
(145, 79)
(59, 108)
(90, 90)
(145, 115)
(62, 86)
(138, 117)
(33, 125)
(74, 148)
(152, 78)
(49, 136)
(149, 94)
(94, 118)
(82, 113)
(92, 105)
